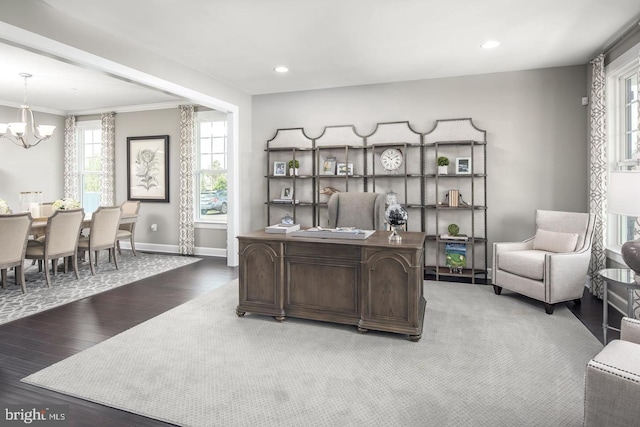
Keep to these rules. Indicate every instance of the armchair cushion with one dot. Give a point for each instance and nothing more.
(529, 264)
(555, 241)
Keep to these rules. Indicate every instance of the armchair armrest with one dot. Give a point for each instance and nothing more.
(630, 330)
(566, 274)
(513, 246)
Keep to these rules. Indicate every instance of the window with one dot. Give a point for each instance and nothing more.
(89, 163)
(622, 118)
(211, 173)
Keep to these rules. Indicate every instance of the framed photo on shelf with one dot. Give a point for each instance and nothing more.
(279, 168)
(345, 168)
(328, 166)
(463, 165)
(148, 168)
(286, 193)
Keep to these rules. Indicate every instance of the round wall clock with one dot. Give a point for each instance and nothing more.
(391, 159)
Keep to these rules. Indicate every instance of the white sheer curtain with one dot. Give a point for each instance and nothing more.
(598, 173)
(71, 179)
(108, 159)
(186, 241)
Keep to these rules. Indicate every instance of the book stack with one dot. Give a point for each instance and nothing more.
(289, 201)
(446, 236)
(454, 197)
(282, 228)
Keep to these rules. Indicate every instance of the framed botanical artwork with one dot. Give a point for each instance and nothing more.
(148, 168)
(463, 165)
(328, 166)
(286, 193)
(345, 168)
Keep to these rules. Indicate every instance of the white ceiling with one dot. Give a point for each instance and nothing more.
(325, 43)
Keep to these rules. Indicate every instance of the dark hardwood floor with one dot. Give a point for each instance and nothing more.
(35, 342)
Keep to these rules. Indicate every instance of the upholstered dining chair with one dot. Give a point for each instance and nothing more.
(102, 234)
(551, 266)
(127, 231)
(60, 241)
(14, 234)
(360, 210)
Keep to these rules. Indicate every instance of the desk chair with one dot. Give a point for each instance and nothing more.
(127, 231)
(102, 234)
(14, 234)
(60, 241)
(361, 210)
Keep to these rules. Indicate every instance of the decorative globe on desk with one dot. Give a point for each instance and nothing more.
(396, 216)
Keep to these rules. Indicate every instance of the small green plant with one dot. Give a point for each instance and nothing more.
(294, 164)
(443, 161)
(453, 229)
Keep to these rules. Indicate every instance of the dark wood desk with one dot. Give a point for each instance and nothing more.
(370, 283)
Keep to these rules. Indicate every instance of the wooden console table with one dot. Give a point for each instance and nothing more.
(370, 283)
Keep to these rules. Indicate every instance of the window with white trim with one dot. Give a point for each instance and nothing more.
(622, 122)
(89, 137)
(211, 173)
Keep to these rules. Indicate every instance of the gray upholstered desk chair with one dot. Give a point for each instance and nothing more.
(14, 233)
(361, 210)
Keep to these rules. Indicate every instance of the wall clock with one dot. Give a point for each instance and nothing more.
(391, 159)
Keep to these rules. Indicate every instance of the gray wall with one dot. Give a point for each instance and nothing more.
(39, 168)
(536, 132)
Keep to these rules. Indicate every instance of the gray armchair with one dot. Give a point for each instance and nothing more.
(551, 266)
(360, 210)
(612, 381)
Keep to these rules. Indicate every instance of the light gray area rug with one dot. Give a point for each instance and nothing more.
(66, 288)
(484, 360)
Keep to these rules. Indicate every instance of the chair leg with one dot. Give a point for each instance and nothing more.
(74, 260)
(497, 289)
(133, 246)
(549, 308)
(20, 274)
(47, 277)
(118, 247)
(115, 258)
(577, 301)
(54, 266)
(93, 273)
(4, 278)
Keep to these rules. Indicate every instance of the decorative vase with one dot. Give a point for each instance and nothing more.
(396, 216)
(293, 171)
(631, 255)
(443, 170)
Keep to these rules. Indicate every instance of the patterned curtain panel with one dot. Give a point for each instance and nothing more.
(107, 161)
(598, 173)
(186, 241)
(71, 178)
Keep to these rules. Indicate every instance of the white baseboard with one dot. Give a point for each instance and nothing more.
(173, 249)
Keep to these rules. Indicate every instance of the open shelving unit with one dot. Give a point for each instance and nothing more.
(417, 184)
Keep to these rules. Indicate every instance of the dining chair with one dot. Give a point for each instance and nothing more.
(14, 234)
(46, 209)
(102, 234)
(60, 241)
(127, 231)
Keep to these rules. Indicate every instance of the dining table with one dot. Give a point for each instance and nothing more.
(39, 225)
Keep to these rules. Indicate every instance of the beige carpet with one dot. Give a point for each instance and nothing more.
(484, 360)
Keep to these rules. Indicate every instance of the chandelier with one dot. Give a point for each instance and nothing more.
(25, 129)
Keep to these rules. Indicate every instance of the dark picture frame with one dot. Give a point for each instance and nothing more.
(148, 168)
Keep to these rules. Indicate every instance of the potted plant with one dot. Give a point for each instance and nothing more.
(293, 167)
(443, 162)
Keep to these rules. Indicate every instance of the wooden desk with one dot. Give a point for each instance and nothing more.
(370, 283)
(39, 225)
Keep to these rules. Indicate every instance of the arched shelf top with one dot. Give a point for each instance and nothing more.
(393, 133)
(455, 130)
(341, 135)
(291, 137)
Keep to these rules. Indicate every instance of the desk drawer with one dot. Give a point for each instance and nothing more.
(322, 250)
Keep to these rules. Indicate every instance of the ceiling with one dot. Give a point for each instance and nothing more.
(325, 43)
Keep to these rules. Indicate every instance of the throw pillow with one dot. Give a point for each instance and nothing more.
(555, 241)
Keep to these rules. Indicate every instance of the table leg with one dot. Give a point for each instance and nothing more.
(605, 312)
(630, 303)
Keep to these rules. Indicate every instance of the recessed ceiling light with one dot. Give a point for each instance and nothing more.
(490, 44)
(281, 69)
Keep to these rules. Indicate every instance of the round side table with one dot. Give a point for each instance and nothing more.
(619, 277)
